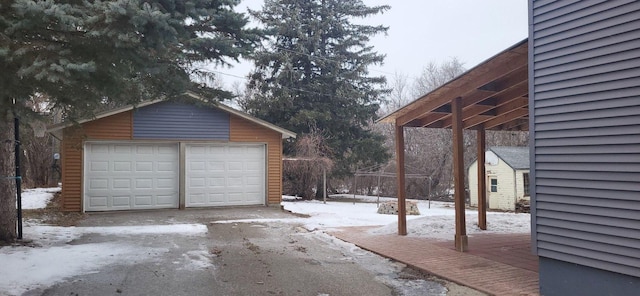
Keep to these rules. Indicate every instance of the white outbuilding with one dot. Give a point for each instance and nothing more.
(507, 177)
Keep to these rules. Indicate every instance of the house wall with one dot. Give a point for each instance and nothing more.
(562, 278)
(504, 199)
(121, 127)
(520, 185)
(585, 150)
(472, 177)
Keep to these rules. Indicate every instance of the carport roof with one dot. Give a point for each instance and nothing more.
(494, 94)
(285, 133)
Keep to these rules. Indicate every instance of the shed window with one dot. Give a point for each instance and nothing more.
(525, 178)
(494, 185)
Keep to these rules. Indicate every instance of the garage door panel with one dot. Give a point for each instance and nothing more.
(254, 181)
(216, 166)
(167, 200)
(121, 184)
(97, 149)
(166, 150)
(165, 183)
(165, 166)
(122, 201)
(99, 166)
(123, 176)
(216, 198)
(198, 198)
(99, 201)
(198, 166)
(217, 182)
(122, 166)
(144, 166)
(235, 166)
(98, 184)
(143, 200)
(234, 174)
(144, 184)
(143, 149)
(198, 182)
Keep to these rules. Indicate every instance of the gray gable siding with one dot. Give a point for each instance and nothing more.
(585, 124)
(169, 120)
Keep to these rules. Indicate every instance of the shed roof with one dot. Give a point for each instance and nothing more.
(285, 133)
(515, 157)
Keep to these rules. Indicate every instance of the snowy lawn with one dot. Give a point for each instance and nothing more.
(437, 221)
(37, 198)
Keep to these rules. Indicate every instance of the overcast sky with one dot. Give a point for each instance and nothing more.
(423, 31)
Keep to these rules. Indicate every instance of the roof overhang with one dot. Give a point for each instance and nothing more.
(54, 129)
(494, 96)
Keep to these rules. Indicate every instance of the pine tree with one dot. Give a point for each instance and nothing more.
(84, 55)
(313, 73)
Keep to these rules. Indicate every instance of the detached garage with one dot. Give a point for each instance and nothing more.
(170, 155)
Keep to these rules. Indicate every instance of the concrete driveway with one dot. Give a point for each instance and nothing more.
(273, 255)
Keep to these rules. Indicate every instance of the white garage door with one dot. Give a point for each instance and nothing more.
(225, 174)
(128, 176)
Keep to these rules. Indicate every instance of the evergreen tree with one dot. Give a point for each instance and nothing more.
(313, 74)
(84, 55)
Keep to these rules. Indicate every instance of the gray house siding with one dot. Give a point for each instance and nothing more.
(167, 120)
(562, 278)
(585, 130)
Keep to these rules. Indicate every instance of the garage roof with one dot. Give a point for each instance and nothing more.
(494, 94)
(285, 133)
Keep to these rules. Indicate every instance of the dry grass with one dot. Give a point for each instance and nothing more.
(52, 214)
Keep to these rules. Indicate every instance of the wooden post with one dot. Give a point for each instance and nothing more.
(402, 211)
(482, 180)
(458, 175)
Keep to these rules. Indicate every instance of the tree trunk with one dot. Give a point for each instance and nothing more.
(8, 212)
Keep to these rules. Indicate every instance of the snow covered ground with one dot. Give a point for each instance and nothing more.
(51, 258)
(435, 221)
(37, 198)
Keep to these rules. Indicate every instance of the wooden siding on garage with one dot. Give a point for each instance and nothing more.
(585, 107)
(242, 130)
(115, 127)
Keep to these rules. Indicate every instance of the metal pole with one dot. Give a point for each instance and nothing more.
(429, 192)
(355, 187)
(324, 184)
(16, 132)
(378, 202)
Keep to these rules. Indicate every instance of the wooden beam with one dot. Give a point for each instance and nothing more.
(506, 117)
(402, 211)
(467, 113)
(482, 179)
(513, 104)
(500, 99)
(461, 243)
(476, 97)
(462, 86)
(431, 118)
(518, 124)
(514, 77)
